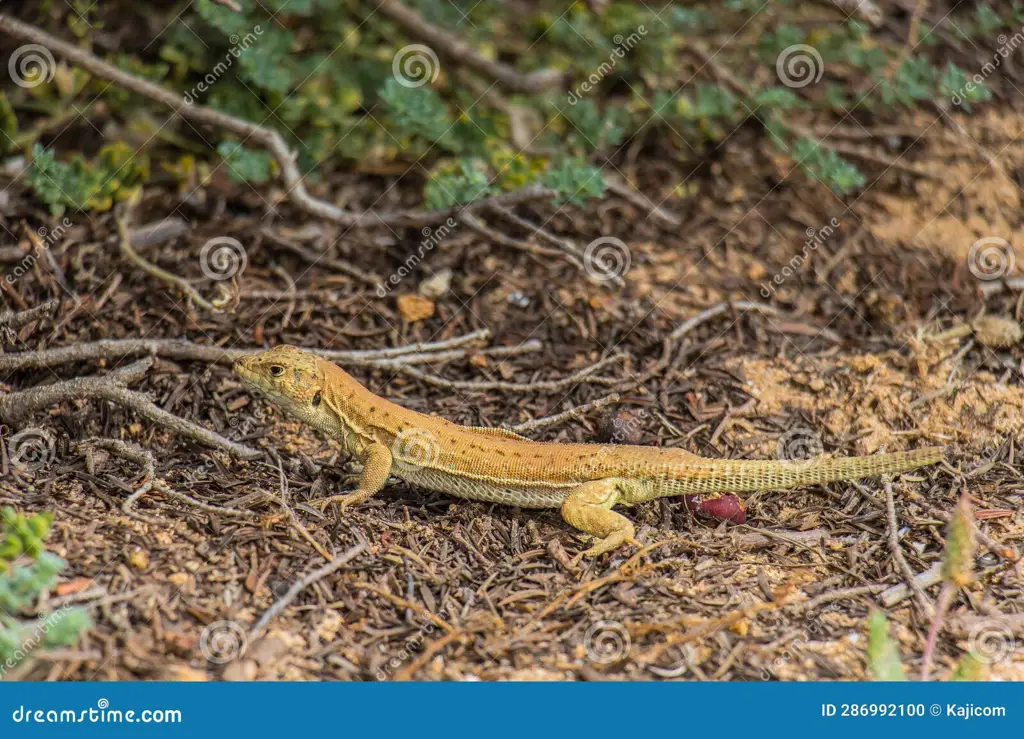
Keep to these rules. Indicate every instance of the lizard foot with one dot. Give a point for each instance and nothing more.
(342, 501)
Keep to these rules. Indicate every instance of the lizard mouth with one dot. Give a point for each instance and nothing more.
(242, 369)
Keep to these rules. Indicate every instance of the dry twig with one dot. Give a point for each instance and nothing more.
(15, 407)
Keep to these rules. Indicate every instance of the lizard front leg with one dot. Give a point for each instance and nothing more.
(376, 461)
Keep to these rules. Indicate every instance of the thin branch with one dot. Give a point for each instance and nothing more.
(463, 53)
(897, 554)
(16, 319)
(571, 414)
(335, 564)
(15, 407)
(269, 138)
(128, 252)
(322, 259)
(541, 385)
(112, 349)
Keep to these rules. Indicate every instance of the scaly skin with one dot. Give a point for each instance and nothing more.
(584, 480)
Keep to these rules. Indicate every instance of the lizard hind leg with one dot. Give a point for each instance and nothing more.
(588, 508)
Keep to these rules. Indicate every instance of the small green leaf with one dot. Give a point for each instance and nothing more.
(883, 655)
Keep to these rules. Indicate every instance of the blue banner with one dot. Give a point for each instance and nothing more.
(519, 710)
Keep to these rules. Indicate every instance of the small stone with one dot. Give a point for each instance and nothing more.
(415, 307)
(178, 578)
(139, 559)
(436, 285)
(181, 673)
(816, 384)
(240, 671)
(518, 299)
(999, 332)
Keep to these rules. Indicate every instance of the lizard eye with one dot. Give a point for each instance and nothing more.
(276, 370)
(316, 398)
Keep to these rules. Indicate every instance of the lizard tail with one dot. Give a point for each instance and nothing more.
(736, 476)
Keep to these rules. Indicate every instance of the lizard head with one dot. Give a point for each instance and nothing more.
(289, 376)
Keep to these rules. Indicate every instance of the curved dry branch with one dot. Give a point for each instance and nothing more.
(112, 349)
(269, 138)
(15, 407)
(458, 50)
(14, 320)
(541, 385)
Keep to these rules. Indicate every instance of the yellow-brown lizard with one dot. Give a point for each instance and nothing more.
(584, 480)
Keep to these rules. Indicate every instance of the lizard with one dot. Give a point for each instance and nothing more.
(584, 481)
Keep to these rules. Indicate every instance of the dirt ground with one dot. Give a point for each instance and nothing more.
(456, 590)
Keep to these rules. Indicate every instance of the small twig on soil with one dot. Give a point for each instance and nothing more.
(128, 507)
(112, 349)
(335, 564)
(540, 385)
(158, 232)
(737, 305)
(321, 258)
(478, 226)
(571, 414)
(129, 253)
(626, 191)
(269, 138)
(461, 52)
(15, 407)
(571, 252)
(14, 320)
(897, 554)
